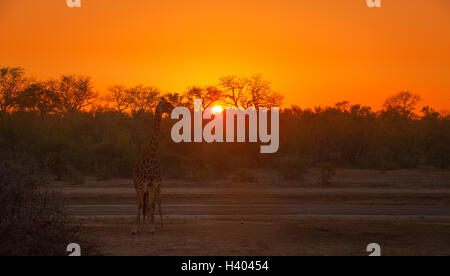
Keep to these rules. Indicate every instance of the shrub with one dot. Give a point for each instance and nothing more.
(244, 176)
(327, 171)
(32, 221)
(172, 165)
(292, 169)
(200, 175)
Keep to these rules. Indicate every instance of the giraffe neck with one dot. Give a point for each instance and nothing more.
(154, 142)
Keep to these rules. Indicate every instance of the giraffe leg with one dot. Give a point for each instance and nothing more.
(158, 198)
(140, 200)
(152, 219)
(137, 227)
(151, 211)
(160, 214)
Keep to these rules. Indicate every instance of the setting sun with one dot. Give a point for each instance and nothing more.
(217, 109)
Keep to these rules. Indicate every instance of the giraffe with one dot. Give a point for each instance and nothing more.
(147, 174)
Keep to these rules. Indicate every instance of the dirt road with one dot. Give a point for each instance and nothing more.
(251, 210)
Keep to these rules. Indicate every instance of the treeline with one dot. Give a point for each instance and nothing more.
(72, 94)
(64, 124)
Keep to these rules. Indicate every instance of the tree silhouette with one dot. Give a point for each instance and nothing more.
(249, 92)
(175, 99)
(143, 98)
(209, 96)
(234, 88)
(39, 97)
(120, 97)
(402, 103)
(260, 93)
(75, 92)
(12, 81)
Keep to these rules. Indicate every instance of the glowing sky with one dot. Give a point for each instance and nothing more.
(316, 52)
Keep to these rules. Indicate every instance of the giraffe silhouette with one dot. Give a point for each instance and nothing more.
(147, 174)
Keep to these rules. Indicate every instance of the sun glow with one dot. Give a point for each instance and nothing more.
(217, 109)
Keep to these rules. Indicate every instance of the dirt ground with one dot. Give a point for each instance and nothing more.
(273, 234)
(309, 236)
(349, 187)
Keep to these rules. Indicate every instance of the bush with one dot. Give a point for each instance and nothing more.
(108, 144)
(327, 171)
(32, 221)
(172, 165)
(200, 175)
(244, 176)
(292, 169)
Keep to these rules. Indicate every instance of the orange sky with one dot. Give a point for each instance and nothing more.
(316, 52)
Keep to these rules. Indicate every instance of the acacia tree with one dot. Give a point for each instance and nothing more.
(402, 103)
(39, 97)
(249, 92)
(209, 96)
(175, 99)
(120, 97)
(234, 88)
(75, 92)
(143, 98)
(261, 94)
(12, 81)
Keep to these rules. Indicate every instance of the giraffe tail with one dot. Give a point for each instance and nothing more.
(145, 207)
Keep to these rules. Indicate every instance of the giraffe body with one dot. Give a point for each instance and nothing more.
(147, 175)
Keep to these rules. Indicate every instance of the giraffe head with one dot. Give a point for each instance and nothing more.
(164, 106)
